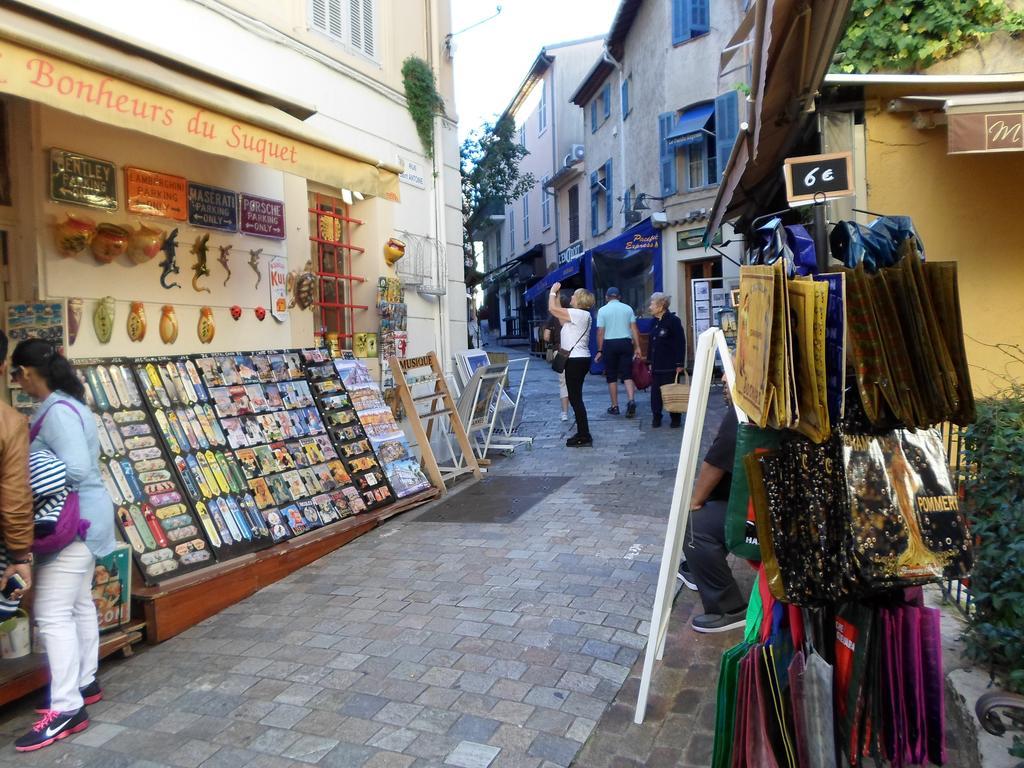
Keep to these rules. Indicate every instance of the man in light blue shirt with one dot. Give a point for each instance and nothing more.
(618, 342)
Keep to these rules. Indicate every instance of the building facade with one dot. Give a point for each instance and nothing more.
(298, 105)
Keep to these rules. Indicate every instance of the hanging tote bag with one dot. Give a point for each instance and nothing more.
(70, 524)
(641, 374)
(740, 528)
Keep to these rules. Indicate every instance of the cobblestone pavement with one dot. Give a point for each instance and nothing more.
(428, 644)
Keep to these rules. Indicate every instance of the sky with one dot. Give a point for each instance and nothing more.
(491, 60)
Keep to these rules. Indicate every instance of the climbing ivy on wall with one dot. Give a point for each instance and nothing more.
(423, 99)
(888, 36)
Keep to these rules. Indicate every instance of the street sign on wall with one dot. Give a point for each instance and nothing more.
(156, 194)
(82, 180)
(212, 207)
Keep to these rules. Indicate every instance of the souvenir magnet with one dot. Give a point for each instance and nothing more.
(175, 523)
(204, 424)
(108, 386)
(169, 266)
(129, 417)
(179, 534)
(97, 389)
(133, 391)
(131, 477)
(221, 478)
(103, 319)
(106, 446)
(154, 489)
(157, 556)
(200, 249)
(218, 433)
(110, 485)
(129, 530)
(240, 521)
(119, 386)
(157, 386)
(153, 475)
(197, 382)
(168, 325)
(186, 383)
(220, 523)
(165, 430)
(74, 319)
(154, 525)
(200, 476)
(137, 321)
(168, 385)
(207, 523)
(225, 251)
(133, 444)
(211, 480)
(197, 428)
(254, 264)
(160, 568)
(136, 430)
(179, 432)
(206, 327)
(140, 525)
(172, 511)
(184, 392)
(225, 512)
(114, 433)
(196, 557)
(236, 312)
(171, 497)
(261, 313)
(145, 455)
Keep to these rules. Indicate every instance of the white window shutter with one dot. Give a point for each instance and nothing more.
(361, 26)
(319, 14)
(334, 19)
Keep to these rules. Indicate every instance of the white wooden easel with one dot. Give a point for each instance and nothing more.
(710, 344)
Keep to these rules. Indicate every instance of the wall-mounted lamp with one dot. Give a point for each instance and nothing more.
(640, 204)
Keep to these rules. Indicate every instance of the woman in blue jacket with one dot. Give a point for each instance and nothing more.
(666, 354)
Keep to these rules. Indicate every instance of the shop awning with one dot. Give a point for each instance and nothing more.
(130, 94)
(792, 48)
(562, 273)
(691, 126)
(985, 122)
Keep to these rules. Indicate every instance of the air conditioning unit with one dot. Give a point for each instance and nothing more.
(577, 152)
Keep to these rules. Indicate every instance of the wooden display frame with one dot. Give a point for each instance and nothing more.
(442, 411)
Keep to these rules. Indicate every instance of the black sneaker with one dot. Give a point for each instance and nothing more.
(710, 623)
(53, 726)
(613, 410)
(676, 423)
(685, 576)
(578, 442)
(655, 422)
(90, 695)
(630, 409)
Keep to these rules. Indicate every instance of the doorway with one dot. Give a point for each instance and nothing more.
(694, 270)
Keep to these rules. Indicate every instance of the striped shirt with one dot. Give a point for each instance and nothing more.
(47, 476)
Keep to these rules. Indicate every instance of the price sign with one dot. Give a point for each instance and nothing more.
(815, 175)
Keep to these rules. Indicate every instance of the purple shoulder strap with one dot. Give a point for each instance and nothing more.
(34, 431)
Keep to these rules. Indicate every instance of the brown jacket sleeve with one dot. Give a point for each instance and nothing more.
(16, 521)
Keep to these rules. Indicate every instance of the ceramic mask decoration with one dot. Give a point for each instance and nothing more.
(261, 313)
(169, 265)
(109, 242)
(206, 328)
(199, 269)
(137, 321)
(168, 325)
(305, 287)
(225, 251)
(145, 243)
(103, 319)
(236, 312)
(394, 249)
(73, 234)
(254, 262)
(74, 319)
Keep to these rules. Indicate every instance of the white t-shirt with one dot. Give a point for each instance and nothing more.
(575, 335)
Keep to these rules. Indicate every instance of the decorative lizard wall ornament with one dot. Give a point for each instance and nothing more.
(200, 268)
(169, 265)
(225, 251)
(254, 262)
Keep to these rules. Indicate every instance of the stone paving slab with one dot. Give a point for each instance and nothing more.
(467, 644)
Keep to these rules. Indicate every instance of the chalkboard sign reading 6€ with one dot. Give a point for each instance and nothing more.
(813, 175)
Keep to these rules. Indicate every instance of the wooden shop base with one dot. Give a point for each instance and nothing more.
(173, 606)
(19, 677)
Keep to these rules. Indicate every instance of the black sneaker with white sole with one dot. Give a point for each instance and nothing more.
(710, 623)
(631, 409)
(90, 695)
(685, 576)
(52, 727)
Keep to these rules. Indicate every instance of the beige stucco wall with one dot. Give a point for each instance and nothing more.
(967, 210)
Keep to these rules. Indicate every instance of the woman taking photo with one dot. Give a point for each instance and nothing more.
(575, 339)
(64, 610)
(552, 340)
(666, 354)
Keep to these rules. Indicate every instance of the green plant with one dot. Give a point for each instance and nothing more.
(423, 99)
(882, 35)
(994, 500)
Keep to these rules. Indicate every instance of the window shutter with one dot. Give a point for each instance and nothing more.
(625, 98)
(627, 204)
(609, 198)
(542, 113)
(667, 154)
(319, 14)
(511, 232)
(606, 97)
(727, 125)
(526, 218)
(699, 17)
(680, 21)
(593, 115)
(595, 190)
(361, 26)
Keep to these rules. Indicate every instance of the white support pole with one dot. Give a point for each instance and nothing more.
(709, 343)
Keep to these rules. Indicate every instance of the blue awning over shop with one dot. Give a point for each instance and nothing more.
(691, 125)
(564, 272)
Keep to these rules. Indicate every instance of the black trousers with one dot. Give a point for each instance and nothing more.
(705, 551)
(657, 379)
(575, 371)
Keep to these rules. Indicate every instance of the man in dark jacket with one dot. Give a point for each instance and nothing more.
(666, 354)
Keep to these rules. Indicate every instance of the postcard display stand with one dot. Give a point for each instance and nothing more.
(213, 459)
(441, 411)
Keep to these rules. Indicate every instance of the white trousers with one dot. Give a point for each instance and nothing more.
(68, 625)
(563, 391)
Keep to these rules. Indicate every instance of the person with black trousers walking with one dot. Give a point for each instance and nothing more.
(575, 339)
(666, 354)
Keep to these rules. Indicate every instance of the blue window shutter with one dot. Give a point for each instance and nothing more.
(606, 97)
(700, 21)
(727, 125)
(667, 155)
(609, 198)
(594, 191)
(625, 98)
(593, 115)
(627, 204)
(680, 21)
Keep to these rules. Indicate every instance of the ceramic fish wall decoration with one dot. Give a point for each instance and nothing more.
(254, 262)
(168, 325)
(206, 327)
(137, 321)
(103, 319)
(200, 269)
(169, 265)
(225, 251)
(74, 319)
